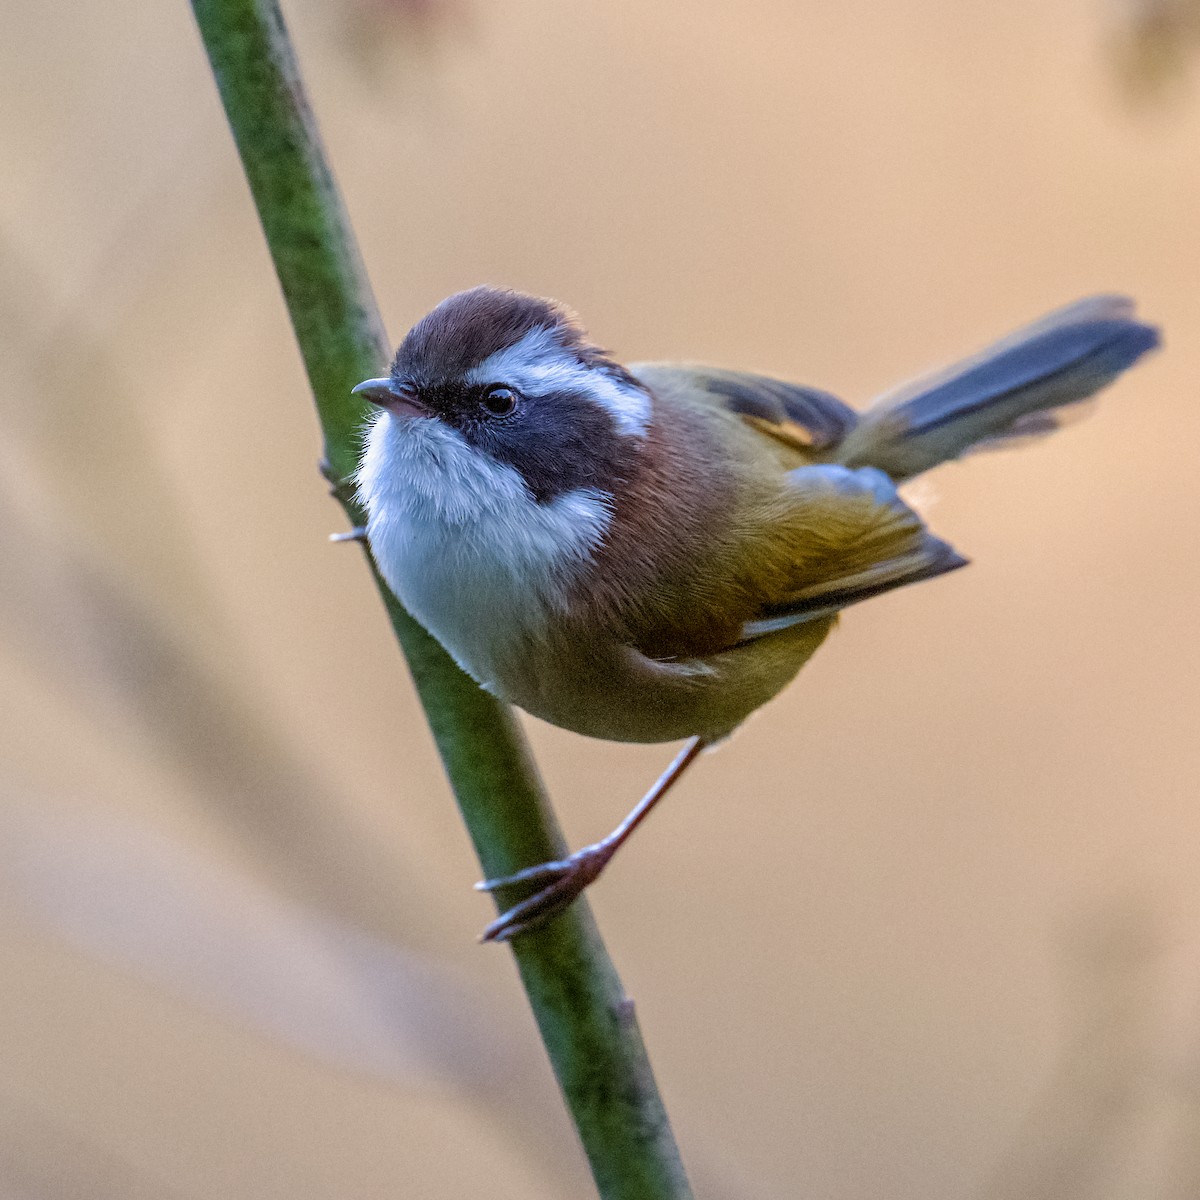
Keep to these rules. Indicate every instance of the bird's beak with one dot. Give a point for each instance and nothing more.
(399, 399)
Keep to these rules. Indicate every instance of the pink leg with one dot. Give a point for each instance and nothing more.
(564, 879)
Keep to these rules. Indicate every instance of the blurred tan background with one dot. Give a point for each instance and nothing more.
(928, 927)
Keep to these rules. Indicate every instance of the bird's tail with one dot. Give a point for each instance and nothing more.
(1017, 388)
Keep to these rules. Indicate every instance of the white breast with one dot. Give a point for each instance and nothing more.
(464, 545)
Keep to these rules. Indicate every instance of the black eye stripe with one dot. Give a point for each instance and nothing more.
(558, 443)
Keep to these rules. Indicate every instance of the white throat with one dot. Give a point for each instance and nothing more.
(462, 542)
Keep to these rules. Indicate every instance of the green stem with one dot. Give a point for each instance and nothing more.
(586, 1021)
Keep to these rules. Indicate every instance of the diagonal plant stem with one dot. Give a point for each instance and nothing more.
(586, 1021)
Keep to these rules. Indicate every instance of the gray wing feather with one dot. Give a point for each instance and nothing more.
(826, 419)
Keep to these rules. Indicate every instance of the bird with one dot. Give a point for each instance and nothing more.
(650, 552)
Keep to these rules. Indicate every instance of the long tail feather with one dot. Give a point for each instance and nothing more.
(1015, 388)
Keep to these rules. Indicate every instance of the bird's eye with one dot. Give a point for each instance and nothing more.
(499, 400)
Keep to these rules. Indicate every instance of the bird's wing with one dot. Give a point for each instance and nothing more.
(842, 535)
(806, 542)
(805, 419)
(796, 548)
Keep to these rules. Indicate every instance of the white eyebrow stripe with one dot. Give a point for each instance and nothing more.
(537, 365)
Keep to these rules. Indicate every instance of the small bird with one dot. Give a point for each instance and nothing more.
(649, 553)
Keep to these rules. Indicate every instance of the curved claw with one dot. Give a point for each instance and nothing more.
(565, 879)
(532, 912)
(543, 871)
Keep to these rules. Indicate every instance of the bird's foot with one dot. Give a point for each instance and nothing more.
(357, 534)
(559, 883)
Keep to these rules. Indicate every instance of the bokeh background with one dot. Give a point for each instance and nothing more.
(929, 926)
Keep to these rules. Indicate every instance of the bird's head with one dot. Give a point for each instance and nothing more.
(497, 388)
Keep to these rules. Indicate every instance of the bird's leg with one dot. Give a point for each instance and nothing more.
(562, 880)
